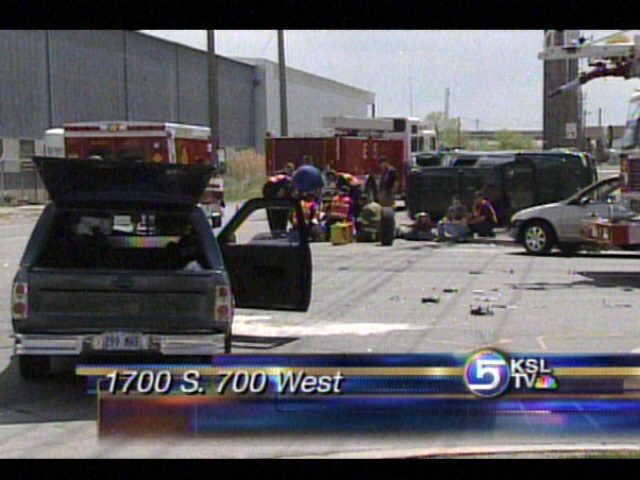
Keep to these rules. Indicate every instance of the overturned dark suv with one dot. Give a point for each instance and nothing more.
(123, 262)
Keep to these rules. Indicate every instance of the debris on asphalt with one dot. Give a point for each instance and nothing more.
(506, 307)
(491, 299)
(395, 298)
(481, 310)
(430, 300)
(606, 304)
(475, 272)
(627, 289)
(450, 290)
(478, 292)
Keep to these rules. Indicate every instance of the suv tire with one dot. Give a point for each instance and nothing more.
(570, 249)
(387, 226)
(34, 367)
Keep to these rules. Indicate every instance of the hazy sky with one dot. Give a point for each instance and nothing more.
(494, 76)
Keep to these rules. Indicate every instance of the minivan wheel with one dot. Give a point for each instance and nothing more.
(34, 366)
(538, 238)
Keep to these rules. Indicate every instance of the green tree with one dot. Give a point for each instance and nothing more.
(510, 140)
(449, 134)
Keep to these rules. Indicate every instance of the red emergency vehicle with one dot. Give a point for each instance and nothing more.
(157, 142)
(354, 145)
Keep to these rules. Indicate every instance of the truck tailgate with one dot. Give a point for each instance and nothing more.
(93, 301)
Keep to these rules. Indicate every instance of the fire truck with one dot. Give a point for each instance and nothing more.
(354, 145)
(616, 55)
(156, 142)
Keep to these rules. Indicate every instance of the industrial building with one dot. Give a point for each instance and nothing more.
(51, 77)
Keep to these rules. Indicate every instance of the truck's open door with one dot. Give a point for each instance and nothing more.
(268, 268)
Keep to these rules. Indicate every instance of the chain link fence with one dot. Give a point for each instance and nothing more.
(20, 183)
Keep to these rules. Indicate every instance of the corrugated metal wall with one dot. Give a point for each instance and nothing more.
(237, 104)
(152, 81)
(50, 77)
(23, 84)
(115, 75)
(87, 76)
(192, 87)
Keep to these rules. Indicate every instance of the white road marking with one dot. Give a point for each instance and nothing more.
(541, 342)
(257, 326)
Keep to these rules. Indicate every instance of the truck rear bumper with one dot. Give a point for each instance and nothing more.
(34, 344)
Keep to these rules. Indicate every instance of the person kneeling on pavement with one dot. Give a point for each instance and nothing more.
(340, 210)
(368, 222)
(420, 229)
(483, 217)
(453, 226)
(277, 186)
(311, 215)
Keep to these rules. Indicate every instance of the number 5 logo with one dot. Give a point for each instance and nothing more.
(486, 373)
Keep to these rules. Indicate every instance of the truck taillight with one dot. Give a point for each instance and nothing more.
(224, 304)
(19, 301)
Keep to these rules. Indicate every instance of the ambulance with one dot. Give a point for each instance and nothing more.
(156, 142)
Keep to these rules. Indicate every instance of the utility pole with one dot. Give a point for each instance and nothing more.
(411, 95)
(284, 122)
(214, 106)
(563, 115)
(459, 133)
(477, 125)
(600, 117)
(446, 103)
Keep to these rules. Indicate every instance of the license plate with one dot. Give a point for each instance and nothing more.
(120, 341)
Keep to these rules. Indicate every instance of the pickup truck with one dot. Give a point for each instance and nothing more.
(123, 262)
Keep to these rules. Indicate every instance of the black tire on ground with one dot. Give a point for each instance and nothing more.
(570, 249)
(33, 367)
(387, 226)
(538, 237)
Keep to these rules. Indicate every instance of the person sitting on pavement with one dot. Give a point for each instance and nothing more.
(420, 229)
(483, 217)
(368, 222)
(453, 226)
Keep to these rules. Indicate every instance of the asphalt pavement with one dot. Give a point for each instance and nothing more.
(368, 299)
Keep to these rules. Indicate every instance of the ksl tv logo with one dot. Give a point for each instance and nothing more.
(488, 373)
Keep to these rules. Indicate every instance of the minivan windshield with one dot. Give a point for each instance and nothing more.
(597, 191)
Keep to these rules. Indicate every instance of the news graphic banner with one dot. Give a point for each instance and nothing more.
(351, 392)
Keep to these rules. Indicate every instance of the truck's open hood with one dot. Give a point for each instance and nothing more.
(82, 182)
